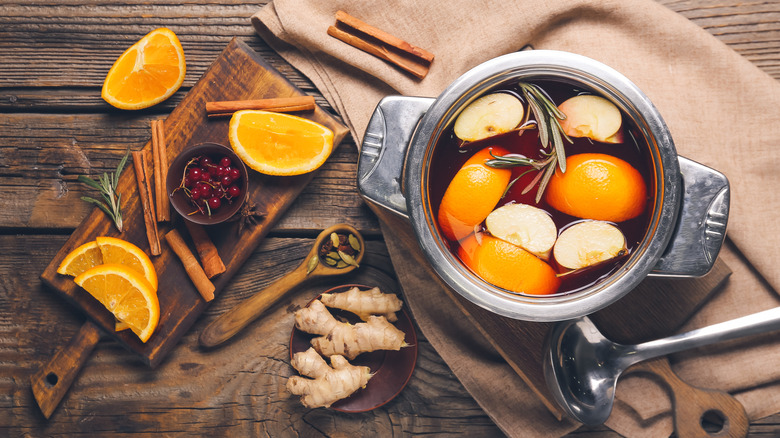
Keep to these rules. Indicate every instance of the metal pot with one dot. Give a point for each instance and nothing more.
(687, 223)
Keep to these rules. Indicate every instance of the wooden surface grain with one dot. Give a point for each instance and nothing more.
(54, 126)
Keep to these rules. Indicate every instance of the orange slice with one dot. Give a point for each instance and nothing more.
(472, 194)
(599, 187)
(126, 294)
(508, 266)
(122, 252)
(108, 250)
(279, 144)
(149, 72)
(80, 259)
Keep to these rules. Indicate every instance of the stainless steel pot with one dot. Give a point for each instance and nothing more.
(689, 216)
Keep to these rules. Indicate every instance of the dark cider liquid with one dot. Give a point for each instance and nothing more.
(450, 154)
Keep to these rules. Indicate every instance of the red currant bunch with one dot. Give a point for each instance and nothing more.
(209, 182)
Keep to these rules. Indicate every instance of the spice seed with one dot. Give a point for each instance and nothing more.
(331, 262)
(334, 238)
(341, 265)
(354, 243)
(313, 262)
(347, 258)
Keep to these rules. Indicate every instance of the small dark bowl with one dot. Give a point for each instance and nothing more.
(391, 369)
(181, 203)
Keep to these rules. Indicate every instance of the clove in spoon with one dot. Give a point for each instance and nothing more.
(581, 366)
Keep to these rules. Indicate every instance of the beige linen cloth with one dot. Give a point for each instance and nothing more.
(722, 111)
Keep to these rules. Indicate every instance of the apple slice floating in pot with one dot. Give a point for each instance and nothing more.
(593, 117)
(489, 115)
(526, 226)
(588, 243)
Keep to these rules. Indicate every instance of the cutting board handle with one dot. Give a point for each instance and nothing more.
(53, 379)
(692, 404)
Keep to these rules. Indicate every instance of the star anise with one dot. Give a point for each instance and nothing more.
(248, 215)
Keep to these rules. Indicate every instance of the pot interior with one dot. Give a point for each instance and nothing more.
(646, 147)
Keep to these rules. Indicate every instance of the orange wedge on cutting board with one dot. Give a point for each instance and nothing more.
(111, 250)
(126, 294)
(279, 144)
(147, 73)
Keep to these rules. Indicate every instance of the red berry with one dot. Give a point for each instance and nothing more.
(214, 203)
(235, 174)
(206, 161)
(225, 162)
(220, 171)
(195, 173)
(226, 180)
(233, 191)
(188, 182)
(195, 194)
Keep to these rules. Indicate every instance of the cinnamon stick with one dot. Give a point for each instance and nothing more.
(381, 44)
(209, 256)
(204, 286)
(160, 155)
(278, 104)
(145, 193)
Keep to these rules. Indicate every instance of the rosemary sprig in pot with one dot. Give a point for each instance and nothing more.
(107, 185)
(551, 135)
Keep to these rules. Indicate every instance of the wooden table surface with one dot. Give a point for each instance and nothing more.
(54, 126)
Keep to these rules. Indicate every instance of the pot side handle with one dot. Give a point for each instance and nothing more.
(383, 151)
(701, 224)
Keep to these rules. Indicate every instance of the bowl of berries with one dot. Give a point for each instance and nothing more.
(207, 183)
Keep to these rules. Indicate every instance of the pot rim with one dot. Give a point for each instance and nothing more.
(543, 65)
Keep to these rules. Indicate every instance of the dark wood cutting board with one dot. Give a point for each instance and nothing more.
(238, 73)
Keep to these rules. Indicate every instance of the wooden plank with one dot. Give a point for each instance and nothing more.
(239, 73)
(237, 390)
(87, 100)
(78, 41)
(42, 155)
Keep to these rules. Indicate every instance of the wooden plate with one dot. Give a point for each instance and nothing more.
(392, 369)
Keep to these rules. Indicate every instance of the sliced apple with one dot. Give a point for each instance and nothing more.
(587, 243)
(524, 225)
(489, 115)
(593, 117)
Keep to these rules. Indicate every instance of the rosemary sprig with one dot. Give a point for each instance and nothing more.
(551, 135)
(107, 185)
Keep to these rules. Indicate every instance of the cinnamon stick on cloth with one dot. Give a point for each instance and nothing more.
(709, 96)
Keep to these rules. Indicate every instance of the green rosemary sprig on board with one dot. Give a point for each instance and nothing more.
(107, 185)
(551, 135)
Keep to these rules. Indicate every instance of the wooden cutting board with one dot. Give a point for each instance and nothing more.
(238, 73)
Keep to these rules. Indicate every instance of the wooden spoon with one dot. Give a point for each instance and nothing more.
(313, 266)
(692, 406)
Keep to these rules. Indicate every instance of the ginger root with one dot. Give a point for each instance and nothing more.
(365, 303)
(345, 339)
(328, 384)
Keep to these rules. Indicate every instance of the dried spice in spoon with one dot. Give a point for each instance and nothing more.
(340, 250)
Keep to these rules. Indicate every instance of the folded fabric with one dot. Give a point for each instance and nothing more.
(718, 107)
